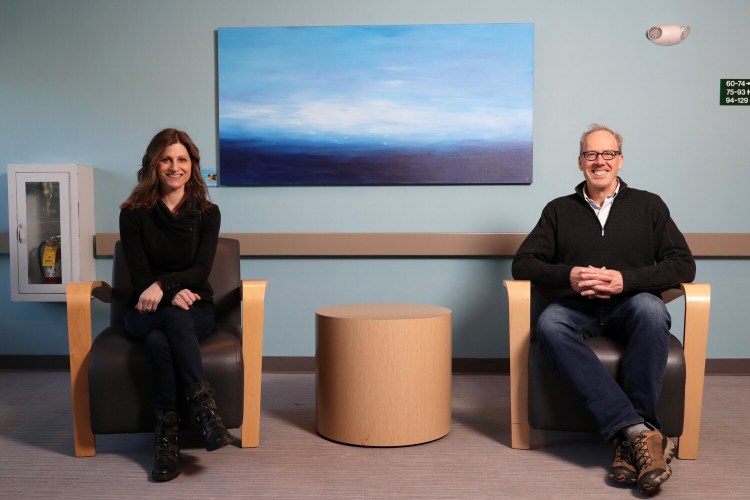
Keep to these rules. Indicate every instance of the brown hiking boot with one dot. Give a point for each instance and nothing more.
(652, 452)
(623, 469)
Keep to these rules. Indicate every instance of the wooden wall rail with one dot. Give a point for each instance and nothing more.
(422, 244)
(736, 245)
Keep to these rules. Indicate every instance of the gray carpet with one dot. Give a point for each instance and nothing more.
(293, 462)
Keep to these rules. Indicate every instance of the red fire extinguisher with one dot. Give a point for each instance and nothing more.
(50, 262)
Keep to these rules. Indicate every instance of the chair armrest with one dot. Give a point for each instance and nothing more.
(695, 340)
(519, 336)
(78, 297)
(671, 294)
(253, 304)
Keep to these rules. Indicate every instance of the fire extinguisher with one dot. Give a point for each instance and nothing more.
(50, 261)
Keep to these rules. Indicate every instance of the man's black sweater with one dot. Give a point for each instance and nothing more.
(639, 239)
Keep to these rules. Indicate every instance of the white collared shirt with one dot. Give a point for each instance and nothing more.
(602, 212)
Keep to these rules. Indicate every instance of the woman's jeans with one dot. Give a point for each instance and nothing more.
(643, 321)
(171, 336)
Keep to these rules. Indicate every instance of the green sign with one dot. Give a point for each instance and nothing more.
(735, 92)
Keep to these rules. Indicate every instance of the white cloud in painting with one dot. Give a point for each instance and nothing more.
(376, 119)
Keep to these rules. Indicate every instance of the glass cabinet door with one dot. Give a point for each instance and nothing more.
(43, 232)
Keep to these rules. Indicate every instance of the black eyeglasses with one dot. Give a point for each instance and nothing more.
(592, 155)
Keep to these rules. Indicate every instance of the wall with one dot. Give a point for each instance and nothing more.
(90, 81)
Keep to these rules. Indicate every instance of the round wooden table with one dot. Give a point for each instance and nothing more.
(383, 373)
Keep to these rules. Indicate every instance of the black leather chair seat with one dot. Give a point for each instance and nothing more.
(120, 383)
(554, 405)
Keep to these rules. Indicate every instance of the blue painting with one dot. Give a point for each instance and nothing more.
(376, 105)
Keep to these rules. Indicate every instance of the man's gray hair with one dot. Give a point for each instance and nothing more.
(595, 128)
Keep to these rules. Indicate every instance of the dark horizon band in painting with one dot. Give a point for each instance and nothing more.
(376, 105)
(289, 164)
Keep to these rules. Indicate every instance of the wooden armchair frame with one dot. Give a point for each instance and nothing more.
(695, 338)
(79, 296)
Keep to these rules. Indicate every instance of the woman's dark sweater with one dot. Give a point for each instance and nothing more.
(177, 250)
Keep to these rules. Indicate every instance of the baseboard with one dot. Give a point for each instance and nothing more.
(289, 364)
(34, 362)
(739, 366)
(306, 364)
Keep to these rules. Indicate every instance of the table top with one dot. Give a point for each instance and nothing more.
(381, 311)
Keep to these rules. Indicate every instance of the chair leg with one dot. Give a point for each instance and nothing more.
(697, 307)
(253, 297)
(78, 296)
(519, 330)
(84, 440)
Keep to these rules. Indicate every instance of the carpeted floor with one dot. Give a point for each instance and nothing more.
(474, 461)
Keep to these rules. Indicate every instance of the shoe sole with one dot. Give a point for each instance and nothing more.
(161, 479)
(670, 450)
(653, 487)
(219, 445)
(623, 479)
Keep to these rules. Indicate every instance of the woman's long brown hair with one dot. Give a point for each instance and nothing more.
(146, 192)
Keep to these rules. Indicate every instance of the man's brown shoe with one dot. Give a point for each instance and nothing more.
(623, 469)
(652, 452)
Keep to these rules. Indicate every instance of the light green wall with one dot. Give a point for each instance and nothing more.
(90, 81)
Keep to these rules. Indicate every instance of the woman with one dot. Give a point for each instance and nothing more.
(169, 230)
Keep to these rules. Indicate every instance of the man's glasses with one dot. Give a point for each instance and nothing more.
(606, 155)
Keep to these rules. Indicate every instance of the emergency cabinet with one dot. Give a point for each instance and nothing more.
(51, 229)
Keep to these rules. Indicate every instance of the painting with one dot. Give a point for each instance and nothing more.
(375, 105)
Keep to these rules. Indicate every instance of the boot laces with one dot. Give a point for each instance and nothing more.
(165, 445)
(642, 453)
(622, 451)
(208, 404)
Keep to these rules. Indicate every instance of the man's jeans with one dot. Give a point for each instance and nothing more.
(643, 321)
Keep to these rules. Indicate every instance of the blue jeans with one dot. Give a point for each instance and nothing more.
(171, 337)
(643, 321)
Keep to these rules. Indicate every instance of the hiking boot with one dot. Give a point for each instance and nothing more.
(652, 451)
(623, 469)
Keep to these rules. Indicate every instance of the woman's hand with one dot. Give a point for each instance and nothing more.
(185, 299)
(150, 298)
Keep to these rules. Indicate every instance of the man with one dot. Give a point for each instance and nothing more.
(610, 249)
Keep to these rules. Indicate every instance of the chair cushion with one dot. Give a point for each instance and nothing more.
(120, 384)
(554, 406)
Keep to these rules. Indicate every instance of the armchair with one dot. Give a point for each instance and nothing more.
(539, 399)
(110, 381)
